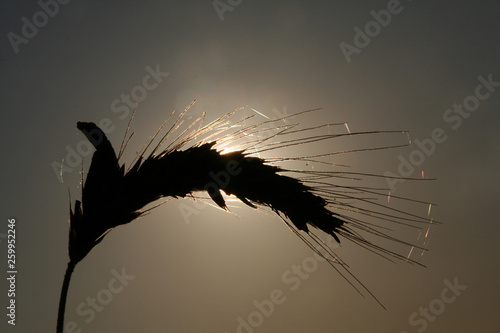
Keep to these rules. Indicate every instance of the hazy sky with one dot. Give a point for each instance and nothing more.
(425, 66)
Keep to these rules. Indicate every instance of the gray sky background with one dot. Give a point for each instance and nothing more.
(203, 275)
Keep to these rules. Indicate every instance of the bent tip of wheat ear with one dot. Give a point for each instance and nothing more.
(113, 195)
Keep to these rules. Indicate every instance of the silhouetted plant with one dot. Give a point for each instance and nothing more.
(112, 195)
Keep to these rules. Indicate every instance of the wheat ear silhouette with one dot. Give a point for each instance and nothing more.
(113, 196)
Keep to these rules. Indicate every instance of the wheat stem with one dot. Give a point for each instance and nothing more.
(64, 293)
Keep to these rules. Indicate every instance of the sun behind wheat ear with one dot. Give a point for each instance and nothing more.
(112, 196)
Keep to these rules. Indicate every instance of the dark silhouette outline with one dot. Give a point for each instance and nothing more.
(112, 196)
